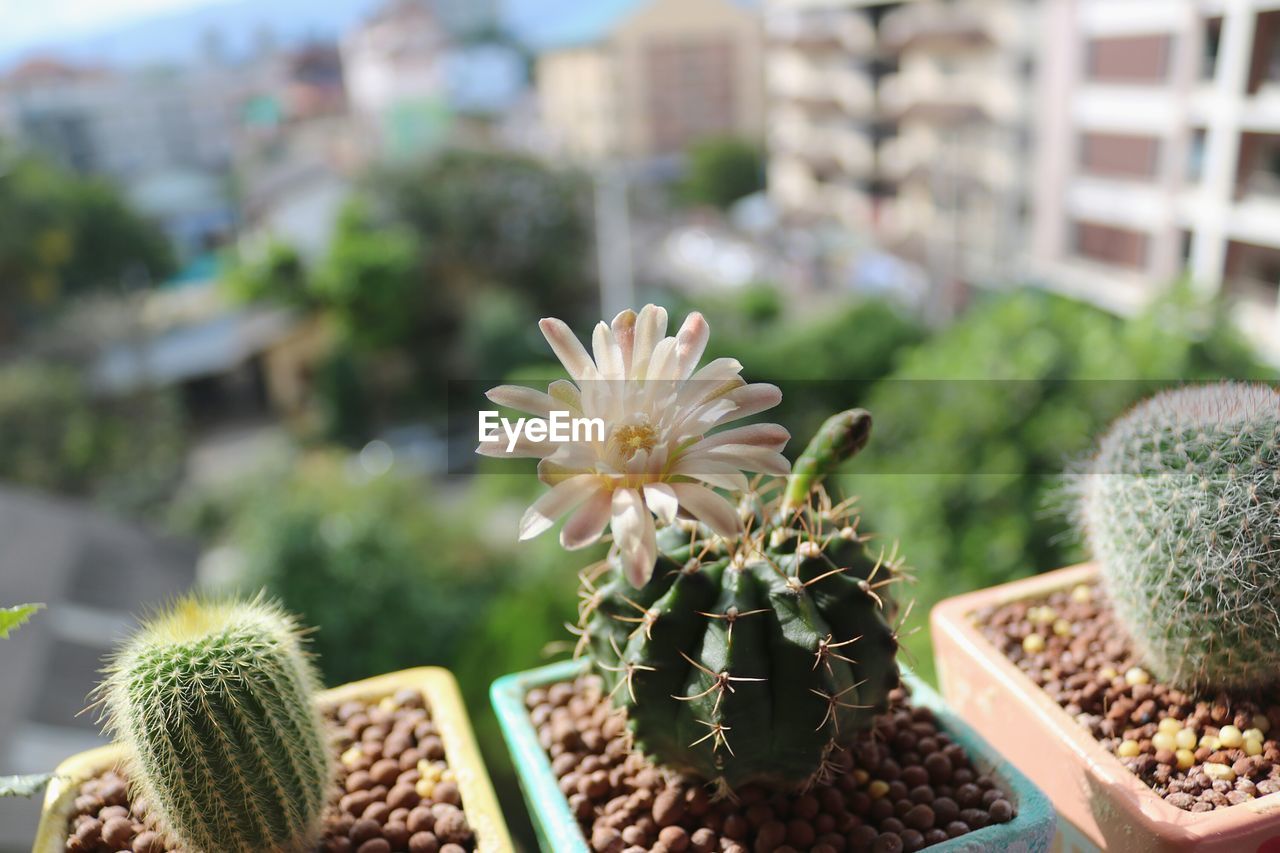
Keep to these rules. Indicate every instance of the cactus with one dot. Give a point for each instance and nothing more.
(750, 659)
(214, 703)
(1181, 506)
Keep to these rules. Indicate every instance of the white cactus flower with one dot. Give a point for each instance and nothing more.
(659, 454)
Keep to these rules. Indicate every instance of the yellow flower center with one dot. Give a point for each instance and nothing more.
(631, 439)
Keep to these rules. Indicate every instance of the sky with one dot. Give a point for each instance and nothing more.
(28, 23)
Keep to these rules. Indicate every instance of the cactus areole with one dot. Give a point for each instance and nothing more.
(1181, 507)
(214, 704)
(751, 659)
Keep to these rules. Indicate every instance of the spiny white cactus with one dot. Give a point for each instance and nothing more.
(214, 702)
(1181, 505)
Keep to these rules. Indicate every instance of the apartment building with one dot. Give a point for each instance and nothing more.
(1159, 153)
(642, 80)
(908, 122)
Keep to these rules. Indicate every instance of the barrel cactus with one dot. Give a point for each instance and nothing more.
(1181, 506)
(751, 659)
(214, 703)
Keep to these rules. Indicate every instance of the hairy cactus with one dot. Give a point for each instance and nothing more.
(214, 702)
(1181, 506)
(751, 659)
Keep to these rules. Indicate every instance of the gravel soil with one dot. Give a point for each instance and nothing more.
(395, 791)
(902, 787)
(1197, 752)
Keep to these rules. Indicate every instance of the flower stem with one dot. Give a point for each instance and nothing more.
(839, 439)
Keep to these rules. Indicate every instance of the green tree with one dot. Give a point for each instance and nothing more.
(975, 427)
(61, 234)
(722, 170)
(491, 219)
(55, 436)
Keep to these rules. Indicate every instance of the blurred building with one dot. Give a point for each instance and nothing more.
(166, 135)
(642, 79)
(421, 74)
(122, 123)
(1160, 152)
(908, 122)
(395, 75)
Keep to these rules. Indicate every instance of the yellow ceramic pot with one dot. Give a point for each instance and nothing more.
(445, 702)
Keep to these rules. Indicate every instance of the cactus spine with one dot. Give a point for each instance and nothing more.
(214, 702)
(1181, 506)
(750, 660)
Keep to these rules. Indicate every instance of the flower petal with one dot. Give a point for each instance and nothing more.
(691, 342)
(522, 449)
(624, 332)
(565, 392)
(714, 472)
(751, 400)
(557, 501)
(761, 460)
(661, 498)
(709, 508)
(772, 436)
(522, 399)
(608, 354)
(634, 534)
(567, 347)
(588, 522)
(651, 326)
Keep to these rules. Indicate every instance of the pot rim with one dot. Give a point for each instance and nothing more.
(953, 618)
(1031, 830)
(447, 710)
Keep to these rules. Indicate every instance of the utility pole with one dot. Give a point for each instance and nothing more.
(613, 239)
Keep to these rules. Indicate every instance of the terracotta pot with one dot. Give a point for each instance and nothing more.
(1101, 805)
(444, 701)
(1031, 831)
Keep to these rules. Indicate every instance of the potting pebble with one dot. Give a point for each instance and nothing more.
(902, 787)
(1197, 752)
(394, 792)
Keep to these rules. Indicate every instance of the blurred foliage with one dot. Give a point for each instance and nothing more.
(62, 234)
(497, 219)
(823, 362)
(722, 170)
(437, 270)
(15, 617)
(975, 428)
(393, 575)
(128, 453)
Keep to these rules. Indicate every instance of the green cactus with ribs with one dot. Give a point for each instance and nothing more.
(1181, 507)
(752, 659)
(213, 702)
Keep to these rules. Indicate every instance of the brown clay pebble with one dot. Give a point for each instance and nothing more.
(895, 804)
(379, 809)
(423, 842)
(147, 842)
(1127, 703)
(118, 832)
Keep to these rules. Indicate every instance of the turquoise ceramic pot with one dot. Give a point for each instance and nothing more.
(1030, 832)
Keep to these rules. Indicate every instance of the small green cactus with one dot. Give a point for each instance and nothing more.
(750, 660)
(214, 702)
(1181, 506)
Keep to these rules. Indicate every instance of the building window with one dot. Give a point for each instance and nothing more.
(1259, 169)
(1129, 59)
(1116, 155)
(691, 91)
(1264, 68)
(1212, 43)
(1111, 245)
(1195, 156)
